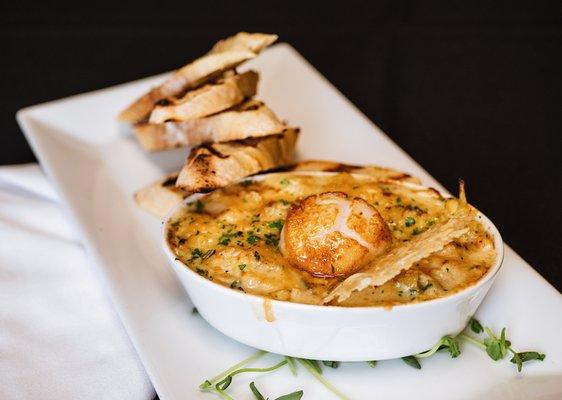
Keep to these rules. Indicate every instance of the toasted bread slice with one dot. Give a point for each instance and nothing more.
(249, 155)
(216, 165)
(224, 56)
(254, 42)
(159, 197)
(209, 99)
(251, 119)
(370, 170)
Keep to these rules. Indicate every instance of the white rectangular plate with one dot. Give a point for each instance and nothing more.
(96, 169)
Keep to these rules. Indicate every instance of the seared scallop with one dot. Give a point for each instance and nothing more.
(331, 234)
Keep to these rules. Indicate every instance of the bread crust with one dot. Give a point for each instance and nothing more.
(216, 165)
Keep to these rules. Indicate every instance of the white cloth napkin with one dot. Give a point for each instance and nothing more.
(59, 335)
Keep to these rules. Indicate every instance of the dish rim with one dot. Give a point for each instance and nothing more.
(489, 275)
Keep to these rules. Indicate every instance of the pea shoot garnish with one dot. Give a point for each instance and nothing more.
(496, 347)
(499, 347)
(331, 364)
(446, 342)
(412, 361)
(475, 326)
(290, 396)
(220, 383)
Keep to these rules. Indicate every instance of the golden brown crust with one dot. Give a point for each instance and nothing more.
(216, 165)
(250, 119)
(330, 234)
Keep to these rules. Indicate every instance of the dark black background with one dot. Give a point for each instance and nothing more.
(470, 90)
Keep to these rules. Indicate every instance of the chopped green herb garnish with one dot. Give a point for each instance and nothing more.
(409, 221)
(412, 362)
(196, 253)
(194, 310)
(247, 182)
(242, 266)
(276, 224)
(372, 363)
(284, 182)
(226, 237)
(417, 231)
(284, 202)
(252, 238)
(201, 271)
(398, 200)
(426, 286)
(255, 218)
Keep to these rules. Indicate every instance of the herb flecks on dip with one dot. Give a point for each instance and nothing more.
(231, 237)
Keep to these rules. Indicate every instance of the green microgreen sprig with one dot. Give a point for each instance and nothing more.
(316, 372)
(496, 347)
(446, 342)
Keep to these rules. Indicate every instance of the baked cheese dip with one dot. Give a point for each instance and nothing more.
(297, 236)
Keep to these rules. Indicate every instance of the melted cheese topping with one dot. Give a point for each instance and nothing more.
(231, 237)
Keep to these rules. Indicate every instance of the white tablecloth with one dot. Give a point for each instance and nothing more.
(59, 335)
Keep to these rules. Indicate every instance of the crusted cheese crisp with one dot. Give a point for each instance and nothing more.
(401, 258)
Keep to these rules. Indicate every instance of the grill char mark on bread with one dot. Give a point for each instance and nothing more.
(207, 100)
(226, 54)
(206, 170)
